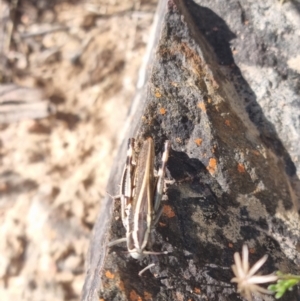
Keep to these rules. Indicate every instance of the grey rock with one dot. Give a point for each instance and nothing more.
(233, 165)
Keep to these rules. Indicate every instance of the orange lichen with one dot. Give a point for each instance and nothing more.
(212, 165)
(201, 106)
(255, 152)
(227, 122)
(168, 211)
(230, 245)
(121, 286)
(251, 250)
(198, 141)
(241, 168)
(133, 296)
(109, 275)
(147, 296)
(197, 290)
(157, 94)
(162, 111)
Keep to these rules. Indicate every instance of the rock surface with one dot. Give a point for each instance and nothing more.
(234, 166)
(257, 47)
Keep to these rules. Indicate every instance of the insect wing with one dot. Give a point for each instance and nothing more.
(142, 204)
(126, 190)
(161, 177)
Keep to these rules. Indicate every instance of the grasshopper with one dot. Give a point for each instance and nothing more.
(141, 193)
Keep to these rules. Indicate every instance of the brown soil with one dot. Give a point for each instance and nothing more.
(83, 57)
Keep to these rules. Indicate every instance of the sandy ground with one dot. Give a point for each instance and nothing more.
(83, 59)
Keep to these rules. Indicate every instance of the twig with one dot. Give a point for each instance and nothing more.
(43, 32)
(11, 24)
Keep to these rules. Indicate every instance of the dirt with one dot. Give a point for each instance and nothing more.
(84, 57)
